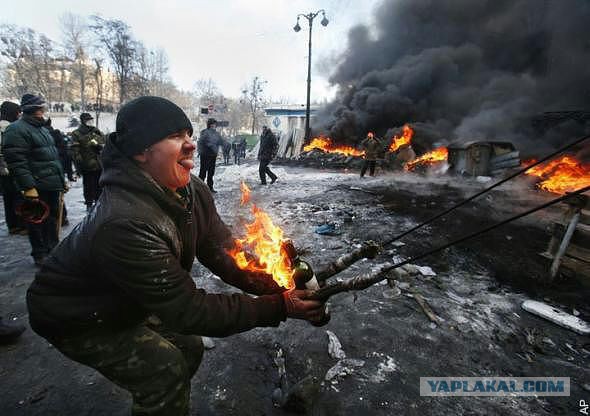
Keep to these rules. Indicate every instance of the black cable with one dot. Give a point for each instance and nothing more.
(471, 198)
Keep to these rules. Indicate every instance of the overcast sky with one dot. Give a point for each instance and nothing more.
(229, 41)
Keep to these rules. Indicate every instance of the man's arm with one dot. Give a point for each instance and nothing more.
(214, 255)
(16, 151)
(133, 256)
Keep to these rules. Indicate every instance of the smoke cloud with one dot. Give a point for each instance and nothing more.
(465, 70)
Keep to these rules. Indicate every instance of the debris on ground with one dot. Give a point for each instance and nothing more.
(334, 346)
(556, 316)
(343, 368)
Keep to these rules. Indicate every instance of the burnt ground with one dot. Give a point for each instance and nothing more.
(476, 293)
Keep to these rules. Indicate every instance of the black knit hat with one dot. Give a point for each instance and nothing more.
(29, 103)
(85, 117)
(147, 120)
(211, 122)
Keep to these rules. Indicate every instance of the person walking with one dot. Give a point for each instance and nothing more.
(266, 153)
(208, 147)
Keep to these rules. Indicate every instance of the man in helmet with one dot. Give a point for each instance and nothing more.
(33, 162)
(87, 143)
(117, 293)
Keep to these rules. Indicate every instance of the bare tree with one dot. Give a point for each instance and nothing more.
(252, 94)
(115, 36)
(29, 63)
(74, 30)
(207, 91)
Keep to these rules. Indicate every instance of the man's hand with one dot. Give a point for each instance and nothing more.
(31, 194)
(299, 307)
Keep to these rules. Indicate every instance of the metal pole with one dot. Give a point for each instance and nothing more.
(307, 130)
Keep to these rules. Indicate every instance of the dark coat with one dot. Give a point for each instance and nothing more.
(132, 257)
(373, 148)
(87, 143)
(268, 146)
(31, 155)
(209, 142)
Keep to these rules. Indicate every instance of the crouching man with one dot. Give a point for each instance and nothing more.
(131, 258)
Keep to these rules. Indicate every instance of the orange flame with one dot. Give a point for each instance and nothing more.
(562, 175)
(261, 250)
(245, 193)
(439, 154)
(406, 138)
(325, 144)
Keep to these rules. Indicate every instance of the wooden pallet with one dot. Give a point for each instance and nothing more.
(569, 248)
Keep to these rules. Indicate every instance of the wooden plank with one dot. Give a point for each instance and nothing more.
(581, 268)
(510, 163)
(580, 253)
(505, 156)
(585, 217)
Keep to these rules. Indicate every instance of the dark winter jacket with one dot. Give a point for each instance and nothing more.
(3, 165)
(132, 256)
(373, 148)
(268, 146)
(87, 143)
(209, 142)
(31, 155)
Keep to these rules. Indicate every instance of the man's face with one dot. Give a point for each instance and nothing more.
(170, 160)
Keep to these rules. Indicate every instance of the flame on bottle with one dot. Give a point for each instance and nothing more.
(261, 250)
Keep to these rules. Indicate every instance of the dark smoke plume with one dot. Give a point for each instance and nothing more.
(465, 70)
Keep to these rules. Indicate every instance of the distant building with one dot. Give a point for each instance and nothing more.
(287, 121)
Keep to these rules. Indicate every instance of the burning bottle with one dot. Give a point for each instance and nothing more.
(303, 276)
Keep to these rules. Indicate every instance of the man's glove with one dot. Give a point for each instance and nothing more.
(31, 194)
(299, 307)
(4, 171)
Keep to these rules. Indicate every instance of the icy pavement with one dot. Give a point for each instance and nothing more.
(385, 343)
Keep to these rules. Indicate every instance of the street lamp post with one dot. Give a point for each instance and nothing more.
(297, 28)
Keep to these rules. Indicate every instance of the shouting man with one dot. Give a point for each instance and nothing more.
(117, 293)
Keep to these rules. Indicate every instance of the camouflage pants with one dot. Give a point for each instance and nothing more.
(155, 366)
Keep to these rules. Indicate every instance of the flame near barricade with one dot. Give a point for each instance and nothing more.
(440, 154)
(405, 139)
(326, 145)
(261, 250)
(565, 174)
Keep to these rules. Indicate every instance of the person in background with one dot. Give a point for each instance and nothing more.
(9, 112)
(87, 143)
(33, 162)
(373, 147)
(266, 153)
(208, 147)
(226, 152)
(62, 149)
